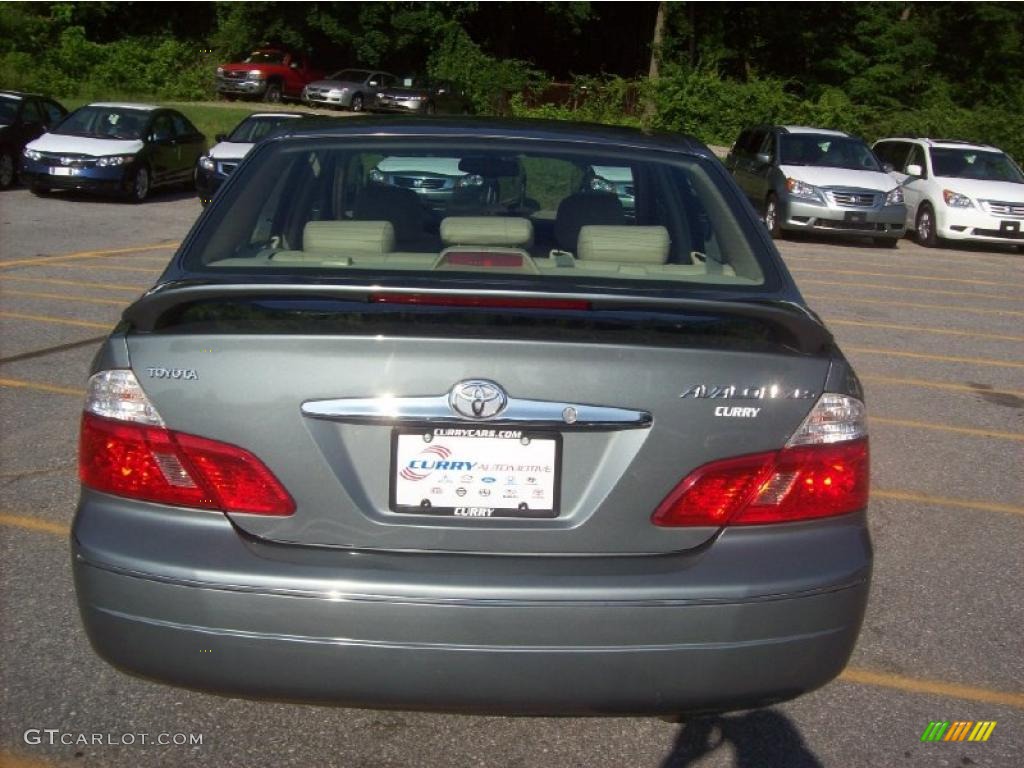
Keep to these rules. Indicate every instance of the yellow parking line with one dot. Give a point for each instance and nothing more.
(87, 255)
(55, 320)
(65, 297)
(946, 385)
(904, 289)
(41, 387)
(943, 501)
(83, 283)
(8, 760)
(921, 329)
(936, 358)
(113, 268)
(961, 280)
(33, 524)
(933, 687)
(948, 428)
(913, 305)
(986, 267)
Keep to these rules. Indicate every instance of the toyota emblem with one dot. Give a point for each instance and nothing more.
(477, 399)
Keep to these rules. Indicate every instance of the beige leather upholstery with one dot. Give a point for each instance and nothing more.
(348, 237)
(487, 230)
(623, 245)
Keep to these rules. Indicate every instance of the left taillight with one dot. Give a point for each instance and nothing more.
(823, 471)
(126, 449)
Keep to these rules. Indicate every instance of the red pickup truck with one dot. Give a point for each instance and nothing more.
(270, 74)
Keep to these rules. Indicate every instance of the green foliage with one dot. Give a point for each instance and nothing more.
(610, 100)
(489, 81)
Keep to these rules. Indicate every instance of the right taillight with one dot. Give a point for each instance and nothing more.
(822, 471)
(125, 449)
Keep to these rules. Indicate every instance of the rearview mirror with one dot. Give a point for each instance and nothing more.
(220, 137)
(915, 170)
(887, 167)
(763, 158)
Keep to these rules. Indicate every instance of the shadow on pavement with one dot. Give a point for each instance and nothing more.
(761, 739)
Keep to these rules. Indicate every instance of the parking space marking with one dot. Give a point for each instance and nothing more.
(911, 305)
(904, 289)
(41, 387)
(55, 320)
(34, 472)
(8, 760)
(82, 283)
(65, 297)
(932, 687)
(920, 329)
(113, 268)
(948, 428)
(87, 255)
(51, 350)
(33, 524)
(946, 385)
(944, 501)
(936, 358)
(961, 280)
(989, 267)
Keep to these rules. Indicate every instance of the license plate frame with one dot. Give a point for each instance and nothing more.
(62, 171)
(856, 217)
(1011, 228)
(537, 481)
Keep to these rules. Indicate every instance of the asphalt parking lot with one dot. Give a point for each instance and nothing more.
(938, 339)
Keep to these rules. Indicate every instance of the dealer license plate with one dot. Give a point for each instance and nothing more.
(475, 472)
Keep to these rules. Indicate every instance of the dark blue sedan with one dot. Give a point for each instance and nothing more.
(125, 149)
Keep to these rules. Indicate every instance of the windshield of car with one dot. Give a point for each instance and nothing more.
(252, 129)
(264, 57)
(8, 111)
(350, 75)
(500, 210)
(975, 164)
(104, 123)
(826, 151)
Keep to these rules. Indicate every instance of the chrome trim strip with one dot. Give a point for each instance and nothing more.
(433, 410)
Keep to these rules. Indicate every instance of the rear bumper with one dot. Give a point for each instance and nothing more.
(182, 597)
(883, 221)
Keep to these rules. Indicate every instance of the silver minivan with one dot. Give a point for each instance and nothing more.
(814, 179)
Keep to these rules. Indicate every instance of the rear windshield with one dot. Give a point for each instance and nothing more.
(496, 211)
(826, 151)
(104, 123)
(974, 164)
(252, 129)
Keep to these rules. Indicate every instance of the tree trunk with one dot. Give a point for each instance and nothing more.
(652, 73)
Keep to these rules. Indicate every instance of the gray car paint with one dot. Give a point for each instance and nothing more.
(595, 613)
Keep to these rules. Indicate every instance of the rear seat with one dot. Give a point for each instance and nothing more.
(635, 251)
(353, 243)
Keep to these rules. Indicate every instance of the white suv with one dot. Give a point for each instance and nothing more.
(957, 190)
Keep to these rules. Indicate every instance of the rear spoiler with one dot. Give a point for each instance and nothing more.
(144, 315)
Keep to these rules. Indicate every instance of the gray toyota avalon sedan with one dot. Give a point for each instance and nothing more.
(522, 455)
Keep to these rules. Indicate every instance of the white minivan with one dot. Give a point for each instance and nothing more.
(956, 190)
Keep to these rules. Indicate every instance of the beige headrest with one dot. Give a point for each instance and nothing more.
(345, 237)
(623, 244)
(487, 230)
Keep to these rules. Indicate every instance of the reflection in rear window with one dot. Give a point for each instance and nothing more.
(516, 213)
